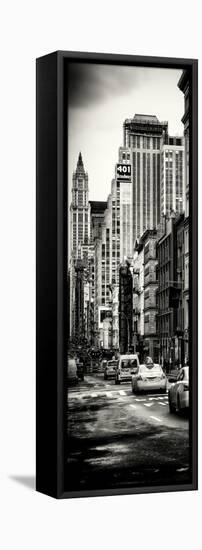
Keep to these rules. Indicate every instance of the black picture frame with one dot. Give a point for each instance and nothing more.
(51, 271)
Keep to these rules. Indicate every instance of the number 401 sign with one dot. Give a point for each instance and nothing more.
(123, 170)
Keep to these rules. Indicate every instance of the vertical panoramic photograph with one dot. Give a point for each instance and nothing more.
(128, 416)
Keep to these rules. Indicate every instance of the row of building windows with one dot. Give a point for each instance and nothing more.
(145, 142)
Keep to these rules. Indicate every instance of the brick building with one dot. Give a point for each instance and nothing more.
(170, 276)
(151, 345)
(125, 307)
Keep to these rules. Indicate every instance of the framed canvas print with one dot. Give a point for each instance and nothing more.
(116, 274)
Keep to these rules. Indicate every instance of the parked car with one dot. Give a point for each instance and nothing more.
(149, 377)
(110, 369)
(126, 366)
(72, 376)
(178, 394)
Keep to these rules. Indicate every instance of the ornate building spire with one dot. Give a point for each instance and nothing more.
(80, 165)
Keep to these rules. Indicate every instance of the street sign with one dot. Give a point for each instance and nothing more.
(123, 171)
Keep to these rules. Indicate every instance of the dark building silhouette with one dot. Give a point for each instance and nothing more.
(170, 317)
(97, 210)
(79, 300)
(125, 308)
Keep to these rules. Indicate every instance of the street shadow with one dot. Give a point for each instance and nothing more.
(27, 481)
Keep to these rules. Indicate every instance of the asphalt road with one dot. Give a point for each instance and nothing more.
(117, 439)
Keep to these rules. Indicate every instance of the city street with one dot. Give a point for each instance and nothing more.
(117, 439)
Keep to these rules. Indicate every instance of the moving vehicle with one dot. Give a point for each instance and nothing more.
(178, 394)
(126, 366)
(149, 377)
(72, 371)
(110, 369)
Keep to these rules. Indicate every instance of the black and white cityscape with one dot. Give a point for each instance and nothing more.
(128, 277)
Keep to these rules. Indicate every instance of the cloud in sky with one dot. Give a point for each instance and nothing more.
(91, 84)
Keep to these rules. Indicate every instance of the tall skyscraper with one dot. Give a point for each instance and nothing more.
(144, 135)
(115, 242)
(103, 253)
(80, 208)
(172, 176)
(79, 244)
(126, 213)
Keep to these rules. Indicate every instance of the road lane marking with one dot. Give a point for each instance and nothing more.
(155, 418)
(163, 404)
(100, 392)
(133, 406)
(148, 404)
(136, 399)
(109, 394)
(158, 398)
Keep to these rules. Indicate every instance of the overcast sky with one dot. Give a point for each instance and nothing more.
(101, 97)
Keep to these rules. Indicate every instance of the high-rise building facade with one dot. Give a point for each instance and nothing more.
(124, 180)
(79, 209)
(103, 254)
(172, 176)
(144, 135)
(166, 278)
(79, 243)
(115, 315)
(184, 86)
(170, 317)
(148, 185)
(97, 211)
(114, 242)
(151, 347)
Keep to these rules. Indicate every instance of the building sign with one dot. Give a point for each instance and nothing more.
(123, 172)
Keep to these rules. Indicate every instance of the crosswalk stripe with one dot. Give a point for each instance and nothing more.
(156, 418)
(116, 393)
(148, 404)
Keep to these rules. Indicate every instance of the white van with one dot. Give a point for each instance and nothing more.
(127, 365)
